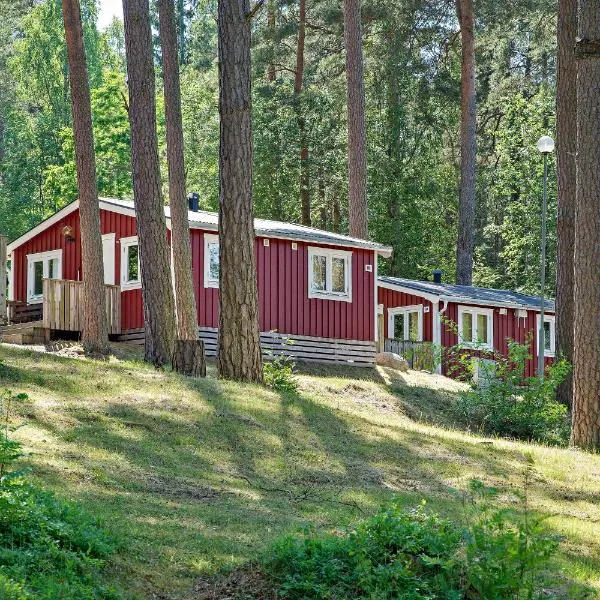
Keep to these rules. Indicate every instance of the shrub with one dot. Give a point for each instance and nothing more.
(416, 554)
(278, 374)
(516, 406)
(48, 548)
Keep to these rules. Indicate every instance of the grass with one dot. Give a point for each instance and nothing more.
(199, 476)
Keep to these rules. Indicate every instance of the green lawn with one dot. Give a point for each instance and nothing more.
(199, 476)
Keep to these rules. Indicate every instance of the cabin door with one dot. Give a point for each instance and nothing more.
(108, 256)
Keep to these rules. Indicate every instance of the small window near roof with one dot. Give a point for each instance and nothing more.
(329, 274)
(130, 263)
(475, 327)
(211, 260)
(549, 335)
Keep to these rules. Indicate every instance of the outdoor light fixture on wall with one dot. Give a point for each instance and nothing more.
(67, 233)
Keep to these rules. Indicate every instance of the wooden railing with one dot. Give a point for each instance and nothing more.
(21, 312)
(62, 305)
(418, 355)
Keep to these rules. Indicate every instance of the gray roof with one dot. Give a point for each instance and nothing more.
(277, 229)
(470, 294)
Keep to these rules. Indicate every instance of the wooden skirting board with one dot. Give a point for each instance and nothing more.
(300, 347)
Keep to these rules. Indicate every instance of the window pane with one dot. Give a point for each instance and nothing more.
(53, 268)
(399, 326)
(467, 327)
(413, 326)
(38, 278)
(319, 273)
(482, 329)
(213, 261)
(133, 267)
(547, 338)
(338, 275)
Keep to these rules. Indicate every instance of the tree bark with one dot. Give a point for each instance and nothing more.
(3, 276)
(239, 354)
(566, 147)
(181, 248)
(188, 358)
(298, 85)
(468, 148)
(157, 292)
(271, 73)
(355, 92)
(94, 333)
(586, 348)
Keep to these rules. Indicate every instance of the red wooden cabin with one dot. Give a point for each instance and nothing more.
(425, 311)
(315, 287)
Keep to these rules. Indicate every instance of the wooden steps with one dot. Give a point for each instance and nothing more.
(300, 347)
(32, 332)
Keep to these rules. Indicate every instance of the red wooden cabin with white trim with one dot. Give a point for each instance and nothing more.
(317, 288)
(488, 318)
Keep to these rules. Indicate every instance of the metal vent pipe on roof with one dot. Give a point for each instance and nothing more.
(437, 276)
(194, 201)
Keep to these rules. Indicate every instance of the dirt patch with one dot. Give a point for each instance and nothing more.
(248, 583)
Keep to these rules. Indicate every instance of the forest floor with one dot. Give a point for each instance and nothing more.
(198, 477)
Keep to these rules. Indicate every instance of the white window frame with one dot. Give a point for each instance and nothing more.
(547, 319)
(329, 254)
(405, 310)
(126, 283)
(209, 282)
(45, 258)
(475, 310)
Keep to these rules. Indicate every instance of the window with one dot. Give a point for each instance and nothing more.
(549, 335)
(330, 274)
(130, 264)
(475, 327)
(45, 265)
(211, 260)
(406, 323)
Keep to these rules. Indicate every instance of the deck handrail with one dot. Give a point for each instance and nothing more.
(62, 305)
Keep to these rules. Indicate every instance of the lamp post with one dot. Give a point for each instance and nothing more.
(545, 145)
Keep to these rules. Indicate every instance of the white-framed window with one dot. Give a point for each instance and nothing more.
(549, 335)
(406, 323)
(131, 278)
(330, 274)
(40, 266)
(211, 261)
(476, 327)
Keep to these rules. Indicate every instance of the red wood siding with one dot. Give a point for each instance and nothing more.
(283, 293)
(393, 299)
(282, 283)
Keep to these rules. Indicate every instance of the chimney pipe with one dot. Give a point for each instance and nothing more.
(437, 276)
(194, 201)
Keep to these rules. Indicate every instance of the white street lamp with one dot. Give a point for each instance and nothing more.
(545, 145)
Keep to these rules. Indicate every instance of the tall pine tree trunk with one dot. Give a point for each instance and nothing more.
(181, 253)
(157, 291)
(239, 354)
(586, 348)
(566, 147)
(298, 85)
(94, 326)
(355, 92)
(468, 148)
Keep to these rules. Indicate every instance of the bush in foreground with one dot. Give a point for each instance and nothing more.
(417, 555)
(49, 549)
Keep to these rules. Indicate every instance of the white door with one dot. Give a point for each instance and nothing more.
(108, 256)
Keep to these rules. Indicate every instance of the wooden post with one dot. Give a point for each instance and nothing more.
(3, 277)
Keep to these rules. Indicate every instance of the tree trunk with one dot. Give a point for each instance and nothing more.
(3, 276)
(468, 148)
(298, 84)
(181, 17)
(271, 74)
(586, 348)
(566, 147)
(239, 354)
(157, 291)
(94, 326)
(188, 358)
(355, 92)
(181, 248)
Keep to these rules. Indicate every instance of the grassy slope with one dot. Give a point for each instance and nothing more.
(201, 475)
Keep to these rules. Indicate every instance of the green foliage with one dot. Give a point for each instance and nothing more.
(419, 555)
(512, 405)
(278, 373)
(48, 548)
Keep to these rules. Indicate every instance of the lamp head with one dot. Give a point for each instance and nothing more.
(545, 144)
